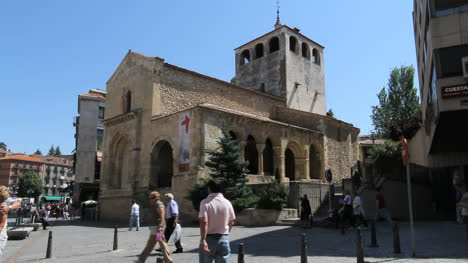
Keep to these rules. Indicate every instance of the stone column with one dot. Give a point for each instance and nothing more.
(260, 148)
(279, 161)
(242, 145)
(306, 169)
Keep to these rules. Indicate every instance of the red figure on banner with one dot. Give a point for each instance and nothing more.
(186, 123)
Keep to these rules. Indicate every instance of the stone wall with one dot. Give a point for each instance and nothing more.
(181, 89)
(341, 139)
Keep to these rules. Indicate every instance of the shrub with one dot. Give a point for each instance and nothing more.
(275, 196)
(197, 193)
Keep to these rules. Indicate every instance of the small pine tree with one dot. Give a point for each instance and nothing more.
(51, 151)
(57, 151)
(227, 167)
(38, 152)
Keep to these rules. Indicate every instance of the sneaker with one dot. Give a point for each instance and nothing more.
(129, 229)
(178, 251)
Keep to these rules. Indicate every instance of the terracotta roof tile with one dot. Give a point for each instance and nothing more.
(54, 160)
(22, 158)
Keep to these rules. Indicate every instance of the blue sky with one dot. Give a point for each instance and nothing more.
(51, 51)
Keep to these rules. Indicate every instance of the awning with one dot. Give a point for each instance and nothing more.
(52, 198)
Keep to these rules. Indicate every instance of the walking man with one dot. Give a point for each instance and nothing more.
(216, 219)
(382, 210)
(157, 225)
(134, 216)
(172, 216)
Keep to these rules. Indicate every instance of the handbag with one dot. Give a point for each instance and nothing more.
(176, 234)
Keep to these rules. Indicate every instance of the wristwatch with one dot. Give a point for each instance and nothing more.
(203, 241)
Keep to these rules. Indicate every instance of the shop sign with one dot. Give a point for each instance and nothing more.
(455, 91)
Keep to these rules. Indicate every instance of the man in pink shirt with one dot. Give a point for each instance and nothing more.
(216, 220)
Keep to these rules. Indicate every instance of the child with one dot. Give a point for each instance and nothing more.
(4, 194)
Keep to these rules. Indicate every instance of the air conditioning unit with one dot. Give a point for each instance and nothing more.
(465, 67)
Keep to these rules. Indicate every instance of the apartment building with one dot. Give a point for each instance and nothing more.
(441, 145)
(88, 142)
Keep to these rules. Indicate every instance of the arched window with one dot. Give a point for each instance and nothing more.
(305, 50)
(315, 57)
(259, 51)
(274, 44)
(293, 44)
(128, 102)
(251, 155)
(245, 57)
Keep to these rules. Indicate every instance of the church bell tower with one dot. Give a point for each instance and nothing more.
(286, 64)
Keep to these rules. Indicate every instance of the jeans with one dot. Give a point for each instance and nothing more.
(134, 220)
(219, 249)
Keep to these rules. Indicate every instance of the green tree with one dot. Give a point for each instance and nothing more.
(30, 185)
(38, 152)
(398, 112)
(3, 146)
(57, 151)
(331, 114)
(51, 151)
(227, 167)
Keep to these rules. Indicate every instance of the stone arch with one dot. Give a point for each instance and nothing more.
(245, 57)
(315, 162)
(294, 153)
(289, 165)
(268, 158)
(119, 161)
(258, 50)
(316, 57)
(274, 44)
(251, 155)
(162, 165)
(305, 50)
(293, 44)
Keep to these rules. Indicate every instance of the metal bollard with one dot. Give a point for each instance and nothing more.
(116, 240)
(240, 257)
(359, 249)
(159, 260)
(49, 246)
(396, 238)
(373, 235)
(303, 248)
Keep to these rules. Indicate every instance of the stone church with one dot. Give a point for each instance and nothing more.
(161, 120)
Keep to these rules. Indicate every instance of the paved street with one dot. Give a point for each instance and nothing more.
(76, 242)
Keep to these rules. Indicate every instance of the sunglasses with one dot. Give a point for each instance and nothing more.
(153, 197)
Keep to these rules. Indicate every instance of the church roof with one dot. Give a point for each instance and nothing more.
(238, 113)
(296, 31)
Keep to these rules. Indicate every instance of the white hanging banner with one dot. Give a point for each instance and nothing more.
(184, 142)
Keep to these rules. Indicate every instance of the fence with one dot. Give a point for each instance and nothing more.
(317, 193)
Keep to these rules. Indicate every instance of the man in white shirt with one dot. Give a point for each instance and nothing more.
(134, 216)
(216, 220)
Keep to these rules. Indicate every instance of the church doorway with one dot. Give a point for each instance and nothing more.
(290, 168)
(162, 168)
(251, 155)
(268, 158)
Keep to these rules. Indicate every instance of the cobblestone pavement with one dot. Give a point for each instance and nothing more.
(77, 242)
